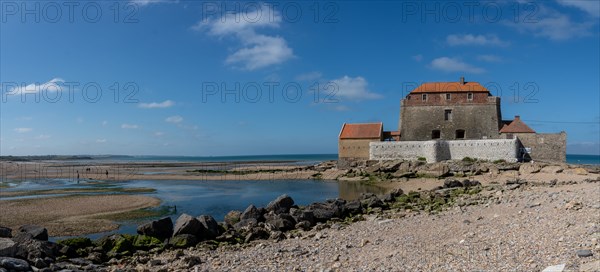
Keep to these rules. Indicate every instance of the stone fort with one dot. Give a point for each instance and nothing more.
(450, 121)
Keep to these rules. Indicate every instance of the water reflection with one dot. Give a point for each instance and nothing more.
(350, 190)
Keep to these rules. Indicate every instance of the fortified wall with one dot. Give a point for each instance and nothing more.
(440, 150)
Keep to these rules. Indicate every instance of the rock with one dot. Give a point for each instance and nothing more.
(304, 225)
(37, 232)
(281, 204)
(76, 243)
(555, 268)
(576, 171)
(161, 228)
(326, 211)
(95, 257)
(354, 207)
(211, 227)
(191, 261)
(403, 174)
(232, 217)
(31, 249)
(186, 224)
(436, 170)
(14, 264)
(7, 247)
(582, 253)
(552, 169)
(183, 241)
(373, 202)
(529, 168)
(452, 183)
(301, 215)
(251, 213)
(39, 263)
(146, 242)
(256, 233)
(277, 236)
(513, 186)
(246, 223)
(5, 232)
(471, 183)
(282, 222)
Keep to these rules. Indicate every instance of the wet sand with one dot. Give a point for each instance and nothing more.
(71, 215)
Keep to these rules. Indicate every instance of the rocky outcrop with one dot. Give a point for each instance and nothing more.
(281, 204)
(186, 224)
(35, 232)
(211, 227)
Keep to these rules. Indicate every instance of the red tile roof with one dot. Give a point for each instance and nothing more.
(450, 87)
(362, 131)
(516, 126)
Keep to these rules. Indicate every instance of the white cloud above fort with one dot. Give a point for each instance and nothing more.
(157, 105)
(353, 88)
(478, 40)
(447, 64)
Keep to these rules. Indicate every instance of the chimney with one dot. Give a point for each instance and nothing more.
(462, 80)
(517, 117)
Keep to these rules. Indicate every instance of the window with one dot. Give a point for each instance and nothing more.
(447, 96)
(460, 134)
(435, 134)
(448, 115)
(424, 96)
(470, 96)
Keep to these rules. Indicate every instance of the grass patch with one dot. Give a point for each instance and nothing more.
(138, 214)
(469, 159)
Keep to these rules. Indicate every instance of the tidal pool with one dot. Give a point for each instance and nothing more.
(210, 197)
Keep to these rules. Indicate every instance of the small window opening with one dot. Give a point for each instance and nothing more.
(460, 134)
(435, 134)
(448, 115)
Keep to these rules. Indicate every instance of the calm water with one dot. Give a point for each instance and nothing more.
(215, 198)
(583, 159)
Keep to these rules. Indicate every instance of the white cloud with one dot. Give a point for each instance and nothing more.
(129, 126)
(353, 89)
(489, 58)
(470, 39)
(148, 2)
(174, 119)
(23, 130)
(553, 25)
(418, 58)
(258, 50)
(311, 76)
(101, 141)
(43, 137)
(54, 85)
(155, 105)
(159, 134)
(454, 65)
(592, 7)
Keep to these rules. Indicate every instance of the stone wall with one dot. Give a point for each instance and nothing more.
(440, 150)
(549, 147)
(478, 120)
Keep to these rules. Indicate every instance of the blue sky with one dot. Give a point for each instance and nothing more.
(234, 78)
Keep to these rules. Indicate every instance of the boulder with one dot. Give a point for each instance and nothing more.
(529, 168)
(36, 232)
(373, 202)
(7, 247)
(14, 264)
(576, 171)
(391, 196)
(76, 243)
(328, 210)
(232, 217)
(245, 224)
(5, 232)
(161, 228)
(186, 224)
(183, 241)
(452, 183)
(304, 225)
(353, 207)
(281, 204)
(552, 169)
(257, 233)
(211, 227)
(251, 213)
(282, 222)
(303, 215)
(31, 249)
(470, 183)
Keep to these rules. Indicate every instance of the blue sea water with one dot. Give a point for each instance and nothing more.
(583, 159)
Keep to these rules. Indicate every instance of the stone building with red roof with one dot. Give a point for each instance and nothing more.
(446, 112)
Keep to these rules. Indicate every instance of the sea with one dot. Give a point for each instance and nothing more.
(300, 158)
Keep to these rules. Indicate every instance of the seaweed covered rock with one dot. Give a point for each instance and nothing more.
(183, 241)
